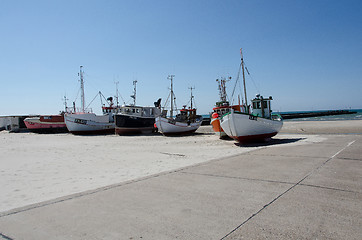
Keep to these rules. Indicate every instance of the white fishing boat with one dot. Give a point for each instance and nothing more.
(89, 123)
(86, 122)
(255, 125)
(185, 122)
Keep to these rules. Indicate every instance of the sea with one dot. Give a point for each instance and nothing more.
(342, 117)
(355, 116)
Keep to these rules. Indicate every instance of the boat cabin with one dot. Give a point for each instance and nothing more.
(222, 104)
(225, 109)
(112, 109)
(52, 118)
(139, 111)
(187, 114)
(221, 111)
(261, 106)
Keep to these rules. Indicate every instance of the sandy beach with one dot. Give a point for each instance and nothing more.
(323, 127)
(40, 167)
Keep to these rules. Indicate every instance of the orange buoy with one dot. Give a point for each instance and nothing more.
(215, 115)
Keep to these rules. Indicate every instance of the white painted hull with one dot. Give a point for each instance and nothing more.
(89, 123)
(169, 127)
(247, 128)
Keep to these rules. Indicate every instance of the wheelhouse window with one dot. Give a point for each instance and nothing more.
(256, 105)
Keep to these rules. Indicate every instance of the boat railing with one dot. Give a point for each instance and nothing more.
(79, 110)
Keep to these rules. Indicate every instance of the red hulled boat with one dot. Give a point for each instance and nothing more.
(46, 124)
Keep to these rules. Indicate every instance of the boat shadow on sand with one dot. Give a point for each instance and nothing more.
(182, 135)
(269, 142)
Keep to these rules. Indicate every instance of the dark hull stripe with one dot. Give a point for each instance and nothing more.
(125, 121)
(179, 133)
(49, 130)
(94, 132)
(144, 130)
(254, 138)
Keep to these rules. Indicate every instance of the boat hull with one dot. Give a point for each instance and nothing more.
(216, 116)
(128, 124)
(46, 124)
(215, 123)
(248, 128)
(89, 123)
(170, 127)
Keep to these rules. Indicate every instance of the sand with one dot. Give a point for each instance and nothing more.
(323, 127)
(41, 167)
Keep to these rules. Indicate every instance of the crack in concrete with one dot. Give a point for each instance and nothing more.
(266, 180)
(350, 159)
(292, 187)
(241, 178)
(329, 188)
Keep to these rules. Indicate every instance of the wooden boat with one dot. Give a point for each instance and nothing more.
(136, 120)
(133, 119)
(86, 122)
(252, 126)
(185, 122)
(89, 123)
(46, 124)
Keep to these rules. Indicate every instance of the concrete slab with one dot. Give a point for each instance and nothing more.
(354, 151)
(288, 169)
(178, 205)
(307, 213)
(339, 174)
(314, 150)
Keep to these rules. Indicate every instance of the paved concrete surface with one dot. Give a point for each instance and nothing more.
(280, 191)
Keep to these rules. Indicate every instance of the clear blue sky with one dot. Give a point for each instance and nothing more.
(307, 54)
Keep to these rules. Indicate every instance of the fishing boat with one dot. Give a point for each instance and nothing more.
(46, 124)
(250, 126)
(133, 119)
(222, 107)
(136, 120)
(86, 122)
(185, 122)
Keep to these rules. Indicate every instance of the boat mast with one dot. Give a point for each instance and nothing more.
(134, 93)
(242, 66)
(117, 92)
(170, 77)
(191, 95)
(65, 103)
(222, 88)
(82, 88)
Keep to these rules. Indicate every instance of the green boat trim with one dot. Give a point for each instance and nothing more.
(255, 116)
